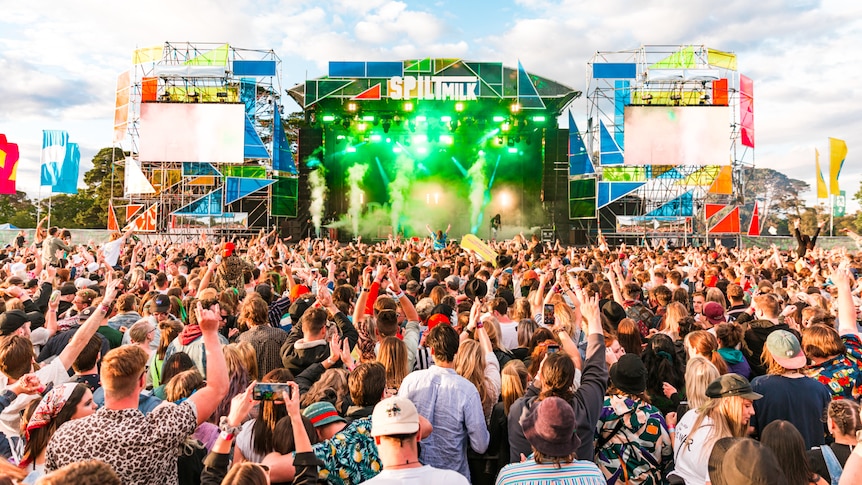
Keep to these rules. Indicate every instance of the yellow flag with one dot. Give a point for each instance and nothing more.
(822, 193)
(837, 154)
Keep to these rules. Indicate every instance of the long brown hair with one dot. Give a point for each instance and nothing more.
(470, 364)
(514, 383)
(393, 356)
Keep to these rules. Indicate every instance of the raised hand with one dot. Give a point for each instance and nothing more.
(240, 406)
(208, 319)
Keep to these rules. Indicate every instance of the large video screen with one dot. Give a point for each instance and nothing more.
(192, 132)
(677, 135)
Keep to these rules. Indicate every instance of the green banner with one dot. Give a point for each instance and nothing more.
(839, 204)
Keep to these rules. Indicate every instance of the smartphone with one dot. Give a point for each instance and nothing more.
(784, 281)
(269, 391)
(553, 349)
(548, 315)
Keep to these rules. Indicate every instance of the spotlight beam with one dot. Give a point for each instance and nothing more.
(383, 176)
(459, 166)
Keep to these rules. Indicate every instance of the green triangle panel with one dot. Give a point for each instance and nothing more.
(247, 171)
(441, 64)
(284, 196)
(208, 205)
(683, 58)
(419, 66)
(456, 69)
(237, 187)
(528, 97)
(319, 89)
(214, 57)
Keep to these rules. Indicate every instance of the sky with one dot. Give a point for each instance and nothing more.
(59, 60)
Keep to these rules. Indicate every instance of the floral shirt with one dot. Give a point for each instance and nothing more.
(642, 442)
(843, 374)
(350, 456)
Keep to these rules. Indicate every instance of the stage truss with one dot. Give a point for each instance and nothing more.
(660, 199)
(192, 195)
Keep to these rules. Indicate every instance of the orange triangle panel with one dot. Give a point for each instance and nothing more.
(133, 209)
(145, 222)
(729, 224)
(754, 226)
(112, 218)
(712, 209)
(371, 93)
(723, 182)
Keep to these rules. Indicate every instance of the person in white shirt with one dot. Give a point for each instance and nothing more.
(508, 327)
(395, 425)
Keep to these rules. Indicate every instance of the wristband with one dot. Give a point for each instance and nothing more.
(227, 429)
(399, 296)
(671, 430)
(225, 436)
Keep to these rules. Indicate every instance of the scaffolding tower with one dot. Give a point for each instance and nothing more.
(655, 200)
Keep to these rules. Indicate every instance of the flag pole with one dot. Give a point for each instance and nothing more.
(831, 213)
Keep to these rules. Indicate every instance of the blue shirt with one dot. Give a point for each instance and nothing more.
(452, 404)
(578, 472)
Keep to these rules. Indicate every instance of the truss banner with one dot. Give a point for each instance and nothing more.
(713, 209)
(727, 225)
(112, 218)
(754, 225)
(746, 110)
(579, 160)
(208, 205)
(121, 106)
(236, 187)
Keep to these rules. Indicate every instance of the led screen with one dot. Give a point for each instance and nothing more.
(677, 135)
(192, 132)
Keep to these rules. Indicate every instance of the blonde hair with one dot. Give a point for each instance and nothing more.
(715, 294)
(675, 312)
(514, 383)
(249, 358)
(393, 356)
(492, 328)
(698, 374)
(470, 364)
(726, 416)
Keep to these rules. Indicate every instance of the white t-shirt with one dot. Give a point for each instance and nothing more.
(424, 475)
(112, 249)
(691, 450)
(509, 335)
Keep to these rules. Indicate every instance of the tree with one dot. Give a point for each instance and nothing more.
(777, 194)
(18, 210)
(104, 181)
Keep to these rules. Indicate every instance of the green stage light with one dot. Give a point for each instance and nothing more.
(420, 138)
(340, 137)
(328, 118)
(408, 106)
(505, 127)
(513, 149)
(422, 150)
(445, 119)
(368, 118)
(447, 139)
(421, 118)
(481, 153)
(361, 126)
(515, 107)
(459, 107)
(539, 119)
(388, 140)
(375, 137)
(351, 150)
(396, 149)
(499, 119)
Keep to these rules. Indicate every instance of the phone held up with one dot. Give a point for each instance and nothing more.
(548, 315)
(269, 391)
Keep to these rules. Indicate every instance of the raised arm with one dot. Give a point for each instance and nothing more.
(88, 329)
(846, 309)
(207, 399)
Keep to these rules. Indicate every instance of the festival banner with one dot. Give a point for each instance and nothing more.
(68, 181)
(822, 193)
(53, 153)
(837, 154)
(746, 110)
(8, 165)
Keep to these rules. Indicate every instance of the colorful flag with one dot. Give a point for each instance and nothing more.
(53, 153)
(837, 154)
(68, 181)
(8, 166)
(822, 193)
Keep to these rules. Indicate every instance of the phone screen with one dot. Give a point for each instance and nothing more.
(548, 315)
(553, 349)
(269, 391)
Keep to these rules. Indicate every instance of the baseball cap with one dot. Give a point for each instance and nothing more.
(731, 385)
(322, 413)
(437, 319)
(68, 289)
(530, 275)
(785, 349)
(86, 313)
(297, 291)
(11, 321)
(228, 249)
(393, 416)
(714, 312)
(161, 304)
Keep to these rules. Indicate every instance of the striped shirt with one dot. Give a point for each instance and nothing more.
(529, 472)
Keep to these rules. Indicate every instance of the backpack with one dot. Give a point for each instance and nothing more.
(641, 315)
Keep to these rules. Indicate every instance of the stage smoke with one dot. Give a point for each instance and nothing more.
(398, 189)
(476, 175)
(355, 174)
(317, 186)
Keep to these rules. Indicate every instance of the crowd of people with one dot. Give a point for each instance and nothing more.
(263, 360)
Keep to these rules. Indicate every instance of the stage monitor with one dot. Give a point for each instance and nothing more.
(192, 132)
(677, 135)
